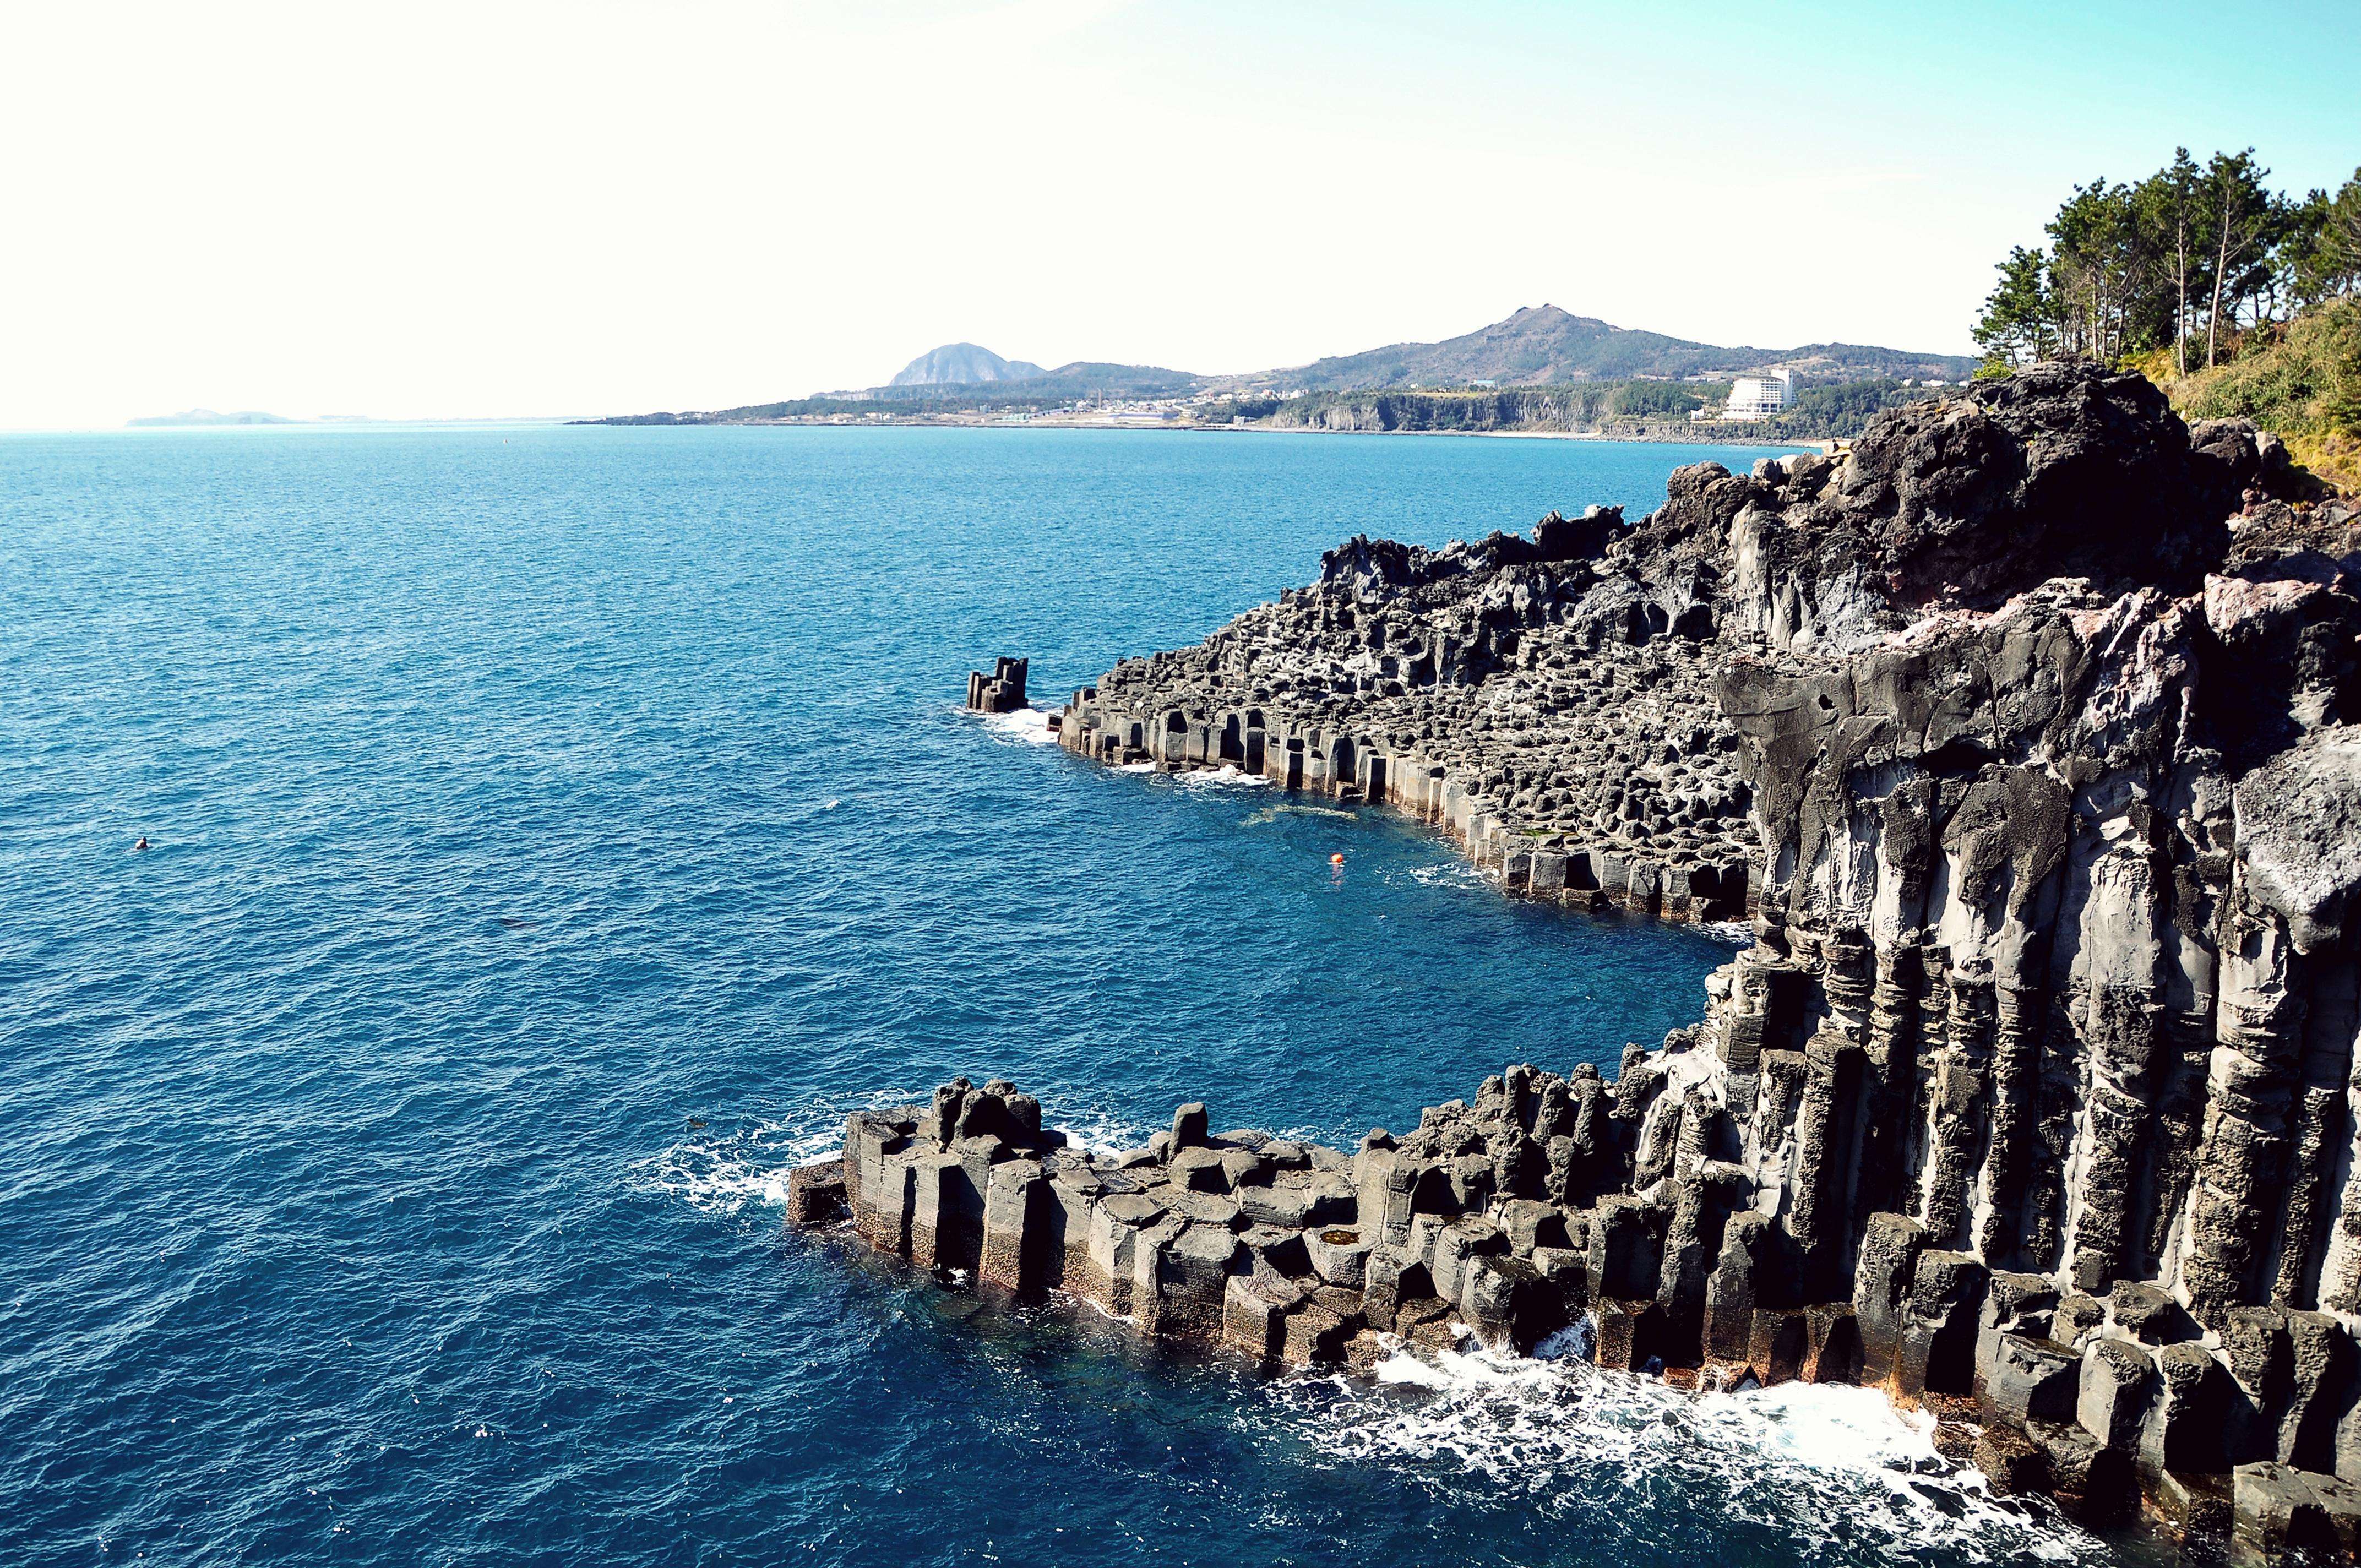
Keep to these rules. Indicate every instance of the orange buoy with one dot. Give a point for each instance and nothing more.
(1335, 860)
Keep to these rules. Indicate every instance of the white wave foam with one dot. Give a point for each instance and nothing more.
(1027, 724)
(1270, 814)
(718, 1185)
(1106, 1131)
(1224, 776)
(1102, 1132)
(721, 1171)
(1737, 933)
(1827, 1466)
(1108, 1312)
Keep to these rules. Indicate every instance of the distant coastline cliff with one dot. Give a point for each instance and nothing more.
(2028, 734)
(207, 417)
(1540, 369)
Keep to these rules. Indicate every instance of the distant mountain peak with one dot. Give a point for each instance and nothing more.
(1544, 318)
(1533, 345)
(1545, 344)
(962, 364)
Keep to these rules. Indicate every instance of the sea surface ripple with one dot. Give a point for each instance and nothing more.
(556, 831)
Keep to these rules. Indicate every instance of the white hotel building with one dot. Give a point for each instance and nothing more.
(1760, 396)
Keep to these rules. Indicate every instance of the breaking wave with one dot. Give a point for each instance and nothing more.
(728, 1170)
(1226, 776)
(1030, 725)
(1827, 1468)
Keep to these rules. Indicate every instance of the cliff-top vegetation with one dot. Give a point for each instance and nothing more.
(2302, 379)
(2187, 260)
(2238, 300)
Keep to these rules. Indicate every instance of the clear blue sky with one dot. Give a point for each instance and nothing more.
(2046, 91)
(2016, 96)
(560, 206)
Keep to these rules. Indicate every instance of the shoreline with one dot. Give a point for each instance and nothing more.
(1765, 442)
(1311, 764)
(2139, 1292)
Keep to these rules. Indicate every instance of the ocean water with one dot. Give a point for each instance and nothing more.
(556, 831)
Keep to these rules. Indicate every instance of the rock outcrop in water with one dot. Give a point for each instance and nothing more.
(1003, 691)
(2026, 731)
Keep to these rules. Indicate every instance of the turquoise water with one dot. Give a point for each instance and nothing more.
(556, 831)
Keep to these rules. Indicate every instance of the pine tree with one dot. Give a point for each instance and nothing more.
(2326, 252)
(2167, 201)
(2239, 217)
(2128, 269)
(2017, 323)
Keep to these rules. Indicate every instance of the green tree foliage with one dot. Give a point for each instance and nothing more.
(1221, 411)
(1515, 408)
(2168, 214)
(2188, 258)
(1843, 408)
(2102, 273)
(2018, 322)
(2241, 220)
(1642, 399)
(2326, 245)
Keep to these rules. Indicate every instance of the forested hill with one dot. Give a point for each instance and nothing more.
(1543, 345)
(1540, 345)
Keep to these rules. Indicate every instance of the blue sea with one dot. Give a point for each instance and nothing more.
(555, 832)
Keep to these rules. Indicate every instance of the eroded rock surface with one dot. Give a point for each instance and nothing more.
(1549, 699)
(2029, 733)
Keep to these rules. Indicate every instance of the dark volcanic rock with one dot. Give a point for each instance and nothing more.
(1548, 698)
(2065, 471)
(2029, 731)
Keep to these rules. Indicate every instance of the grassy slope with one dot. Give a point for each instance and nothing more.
(2306, 385)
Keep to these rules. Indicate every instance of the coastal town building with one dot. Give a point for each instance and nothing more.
(1760, 396)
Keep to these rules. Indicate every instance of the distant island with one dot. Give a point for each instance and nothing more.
(207, 416)
(1540, 370)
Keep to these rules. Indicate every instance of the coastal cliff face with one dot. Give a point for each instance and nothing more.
(1549, 700)
(2056, 867)
(2027, 734)
(2047, 712)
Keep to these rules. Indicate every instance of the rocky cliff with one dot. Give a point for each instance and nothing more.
(1549, 699)
(2026, 732)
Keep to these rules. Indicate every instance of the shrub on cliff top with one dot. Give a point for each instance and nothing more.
(2306, 385)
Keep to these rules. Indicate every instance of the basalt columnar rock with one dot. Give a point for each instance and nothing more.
(2029, 733)
(1548, 699)
(1003, 691)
